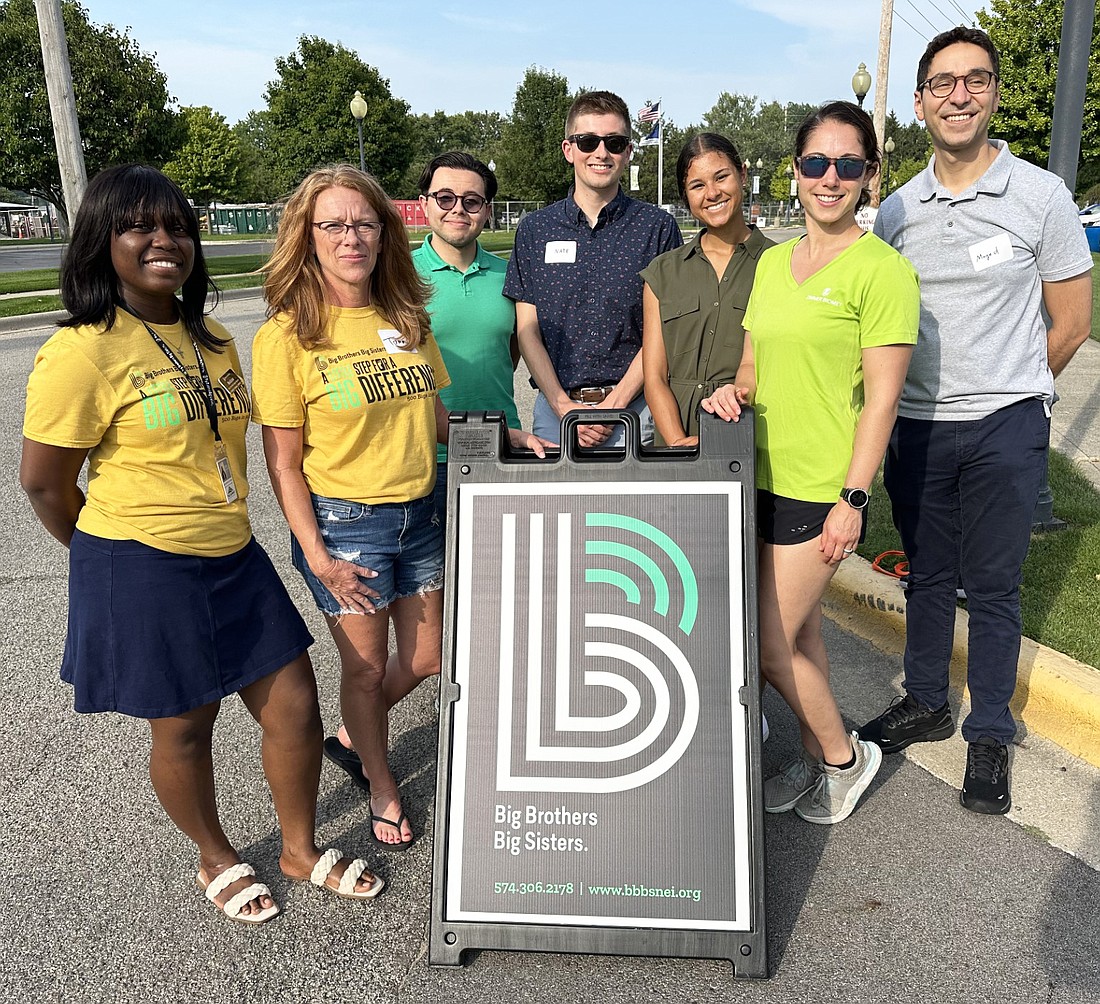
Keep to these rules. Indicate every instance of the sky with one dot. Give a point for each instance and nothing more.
(451, 56)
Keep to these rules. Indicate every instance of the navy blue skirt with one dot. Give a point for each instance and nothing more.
(154, 634)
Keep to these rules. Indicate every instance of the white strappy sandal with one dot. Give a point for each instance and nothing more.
(232, 909)
(327, 861)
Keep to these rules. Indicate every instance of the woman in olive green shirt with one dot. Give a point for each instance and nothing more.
(695, 296)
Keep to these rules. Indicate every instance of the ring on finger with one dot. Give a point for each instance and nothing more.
(849, 550)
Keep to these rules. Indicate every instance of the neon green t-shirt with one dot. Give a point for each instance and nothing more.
(365, 404)
(151, 473)
(807, 341)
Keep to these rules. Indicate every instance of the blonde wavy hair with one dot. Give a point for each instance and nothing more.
(294, 286)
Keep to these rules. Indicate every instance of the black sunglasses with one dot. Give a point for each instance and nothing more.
(847, 168)
(448, 200)
(588, 142)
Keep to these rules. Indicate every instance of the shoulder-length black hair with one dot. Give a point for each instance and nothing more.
(114, 200)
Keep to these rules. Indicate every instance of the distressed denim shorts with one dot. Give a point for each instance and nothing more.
(401, 541)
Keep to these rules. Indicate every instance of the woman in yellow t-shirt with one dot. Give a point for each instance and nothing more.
(172, 603)
(829, 330)
(346, 376)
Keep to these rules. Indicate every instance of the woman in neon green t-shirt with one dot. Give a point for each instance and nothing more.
(830, 327)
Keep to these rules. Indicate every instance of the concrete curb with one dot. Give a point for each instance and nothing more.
(1056, 696)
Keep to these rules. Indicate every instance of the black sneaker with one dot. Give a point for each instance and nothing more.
(985, 787)
(907, 721)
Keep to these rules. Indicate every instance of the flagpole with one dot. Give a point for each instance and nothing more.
(660, 154)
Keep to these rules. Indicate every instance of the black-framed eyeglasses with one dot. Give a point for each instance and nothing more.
(815, 165)
(588, 142)
(365, 230)
(943, 84)
(448, 200)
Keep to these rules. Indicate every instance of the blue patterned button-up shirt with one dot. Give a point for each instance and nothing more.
(584, 282)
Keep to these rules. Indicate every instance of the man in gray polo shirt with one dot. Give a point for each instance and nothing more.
(995, 240)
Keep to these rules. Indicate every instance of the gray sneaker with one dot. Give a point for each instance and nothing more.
(837, 791)
(795, 778)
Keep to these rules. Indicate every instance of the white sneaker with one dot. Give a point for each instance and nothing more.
(795, 778)
(837, 791)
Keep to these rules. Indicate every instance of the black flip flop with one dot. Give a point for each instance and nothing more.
(348, 760)
(400, 846)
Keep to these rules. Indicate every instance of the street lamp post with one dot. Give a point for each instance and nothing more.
(789, 172)
(756, 181)
(492, 165)
(359, 110)
(861, 83)
(889, 146)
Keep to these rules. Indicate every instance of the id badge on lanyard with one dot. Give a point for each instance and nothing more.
(205, 390)
(225, 472)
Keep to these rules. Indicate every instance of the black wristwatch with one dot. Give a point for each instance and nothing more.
(857, 498)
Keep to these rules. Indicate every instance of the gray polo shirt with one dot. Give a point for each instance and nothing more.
(983, 256)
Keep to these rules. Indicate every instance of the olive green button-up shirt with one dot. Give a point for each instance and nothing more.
(701, 318)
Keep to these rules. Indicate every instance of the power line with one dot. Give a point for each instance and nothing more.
(941, 13)
(967, 18)
(920, 33)
(922, 14)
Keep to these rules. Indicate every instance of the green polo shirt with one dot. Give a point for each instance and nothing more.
(473, 323)
(701, 318)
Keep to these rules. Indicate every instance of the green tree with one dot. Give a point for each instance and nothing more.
(208, 165)
(911, 141)
(256, 180)
(121, 100)
(763, 132)
(308, 123)
(531, 164)
(476, 133)
(780, 185)
(1028, 33)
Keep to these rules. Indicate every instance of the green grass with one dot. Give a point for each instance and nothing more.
(29, 281)
(1061, 588)
(29, 305)
(36, 280)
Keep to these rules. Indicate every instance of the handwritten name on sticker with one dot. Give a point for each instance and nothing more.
(394, 341)
(985, 254)
(560, 252)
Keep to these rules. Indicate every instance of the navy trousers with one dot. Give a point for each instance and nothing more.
(963, 497)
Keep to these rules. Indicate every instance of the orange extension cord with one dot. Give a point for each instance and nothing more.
(898, 570)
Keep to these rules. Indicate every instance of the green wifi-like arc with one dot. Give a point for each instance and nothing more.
(644, 562)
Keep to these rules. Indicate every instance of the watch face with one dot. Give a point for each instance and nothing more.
(855, 497)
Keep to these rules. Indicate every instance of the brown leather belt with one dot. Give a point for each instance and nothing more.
(590, 395)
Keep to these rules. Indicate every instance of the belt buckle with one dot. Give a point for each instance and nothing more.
(590, 395)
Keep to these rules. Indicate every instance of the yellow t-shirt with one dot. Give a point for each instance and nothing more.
(151, 473)
(365, 405)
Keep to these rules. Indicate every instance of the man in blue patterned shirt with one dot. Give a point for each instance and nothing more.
(574, 277)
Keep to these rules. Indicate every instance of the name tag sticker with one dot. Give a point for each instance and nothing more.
(560, 252)
(985, 254)
(393, 341)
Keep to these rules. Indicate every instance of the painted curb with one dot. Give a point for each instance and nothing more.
(1056, 696)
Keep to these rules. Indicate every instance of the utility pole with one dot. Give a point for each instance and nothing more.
(59, 87)
(1065, 149)
(882, 76)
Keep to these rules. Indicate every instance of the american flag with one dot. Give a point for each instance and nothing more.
(651, 112)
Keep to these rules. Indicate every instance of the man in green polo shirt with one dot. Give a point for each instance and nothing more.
(474, 324)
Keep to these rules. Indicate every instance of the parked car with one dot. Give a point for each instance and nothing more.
(1090, 214)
